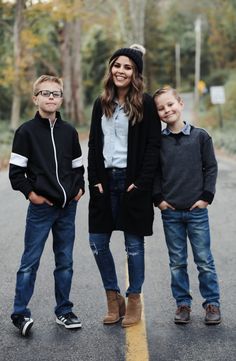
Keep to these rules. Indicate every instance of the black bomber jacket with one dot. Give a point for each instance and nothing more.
(47, 159)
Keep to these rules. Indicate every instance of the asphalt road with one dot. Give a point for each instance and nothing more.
(95, 342)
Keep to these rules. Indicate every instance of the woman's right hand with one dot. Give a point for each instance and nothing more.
(99, 185)
(164, 205)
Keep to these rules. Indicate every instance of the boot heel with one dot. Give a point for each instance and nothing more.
(133, 311)
(122, 306)
(116, 307)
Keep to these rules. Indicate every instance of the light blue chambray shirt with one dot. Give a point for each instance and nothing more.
(185, 130)
(115, 141)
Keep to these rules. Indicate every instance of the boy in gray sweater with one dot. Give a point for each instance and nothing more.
(183, 188)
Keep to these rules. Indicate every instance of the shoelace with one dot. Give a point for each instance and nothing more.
(212, 309)
(183, 308)
(70, 315)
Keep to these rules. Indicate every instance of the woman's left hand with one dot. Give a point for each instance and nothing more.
(199, 204)
(79, 195)
(132, 186)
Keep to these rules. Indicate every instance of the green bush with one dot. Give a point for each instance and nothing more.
(218, 77)
(225, 137)
(6, 137)
(229, 108)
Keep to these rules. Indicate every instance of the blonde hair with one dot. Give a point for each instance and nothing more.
(167, 89)
(43, 78)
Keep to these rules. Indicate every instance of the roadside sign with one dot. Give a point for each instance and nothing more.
(202, 87)
(217, 94)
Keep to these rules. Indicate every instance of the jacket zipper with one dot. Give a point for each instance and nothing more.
(55, 157)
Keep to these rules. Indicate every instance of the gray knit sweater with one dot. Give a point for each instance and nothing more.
(188, 169)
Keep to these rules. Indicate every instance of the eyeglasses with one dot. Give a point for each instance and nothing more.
(47, 93)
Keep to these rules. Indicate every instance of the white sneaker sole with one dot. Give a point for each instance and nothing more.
(26, 329)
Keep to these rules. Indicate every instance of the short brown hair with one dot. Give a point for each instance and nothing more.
(166, 89)
(44, 78)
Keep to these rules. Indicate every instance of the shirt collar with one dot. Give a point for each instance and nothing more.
(185, 130)
(117, 104)
(46, 120)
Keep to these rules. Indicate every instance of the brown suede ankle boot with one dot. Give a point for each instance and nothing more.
(116, 307)
(133, 310)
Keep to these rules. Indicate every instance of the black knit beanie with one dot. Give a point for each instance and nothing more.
(135, 53)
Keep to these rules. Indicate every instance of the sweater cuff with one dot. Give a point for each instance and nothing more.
(157, 199)
(26, 190)
(207, 197)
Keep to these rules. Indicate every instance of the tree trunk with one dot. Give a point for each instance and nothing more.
(137, 16)
(66, 67)
(131, 26)
(78, 113)
(16, 101)
(71, 71)
(119, 8)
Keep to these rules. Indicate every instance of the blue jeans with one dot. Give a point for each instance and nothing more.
(134, 245)
(178, 225)
(40, 220)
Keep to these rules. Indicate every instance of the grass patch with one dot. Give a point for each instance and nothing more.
(225, 137)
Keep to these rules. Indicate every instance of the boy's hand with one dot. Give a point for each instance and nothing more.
(199, 204)
(164, 205)
(99, 185)
(36, 199)
(132, 186)
(79, 195)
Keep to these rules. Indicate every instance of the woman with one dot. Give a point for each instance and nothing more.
(123, 155)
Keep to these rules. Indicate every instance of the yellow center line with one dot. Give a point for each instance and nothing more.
(136, 339)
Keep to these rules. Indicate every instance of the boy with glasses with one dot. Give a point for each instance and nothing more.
(46, 166)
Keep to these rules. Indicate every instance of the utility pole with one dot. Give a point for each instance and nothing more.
(197, 62)
(177, 66)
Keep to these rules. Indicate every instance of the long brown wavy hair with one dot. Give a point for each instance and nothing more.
(133, 106)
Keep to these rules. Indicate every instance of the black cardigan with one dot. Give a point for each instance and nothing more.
(142, 161)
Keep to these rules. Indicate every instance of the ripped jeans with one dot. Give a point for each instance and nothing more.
(134, 244)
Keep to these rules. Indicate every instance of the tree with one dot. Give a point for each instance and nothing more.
(6, 31)
(131, 16)
(17, 46)
(69, 28)
(51, 35)
(71, 67)
(137, 15)
(95, 54)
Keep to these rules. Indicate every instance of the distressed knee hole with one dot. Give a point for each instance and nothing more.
(94, 248)
(131, 252)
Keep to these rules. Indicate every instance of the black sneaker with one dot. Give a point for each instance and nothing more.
(213, 316)
(69, 320)
(23, 323)
(182, 314)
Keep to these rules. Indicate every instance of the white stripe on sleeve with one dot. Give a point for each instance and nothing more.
(77, 162)
(19, 160)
